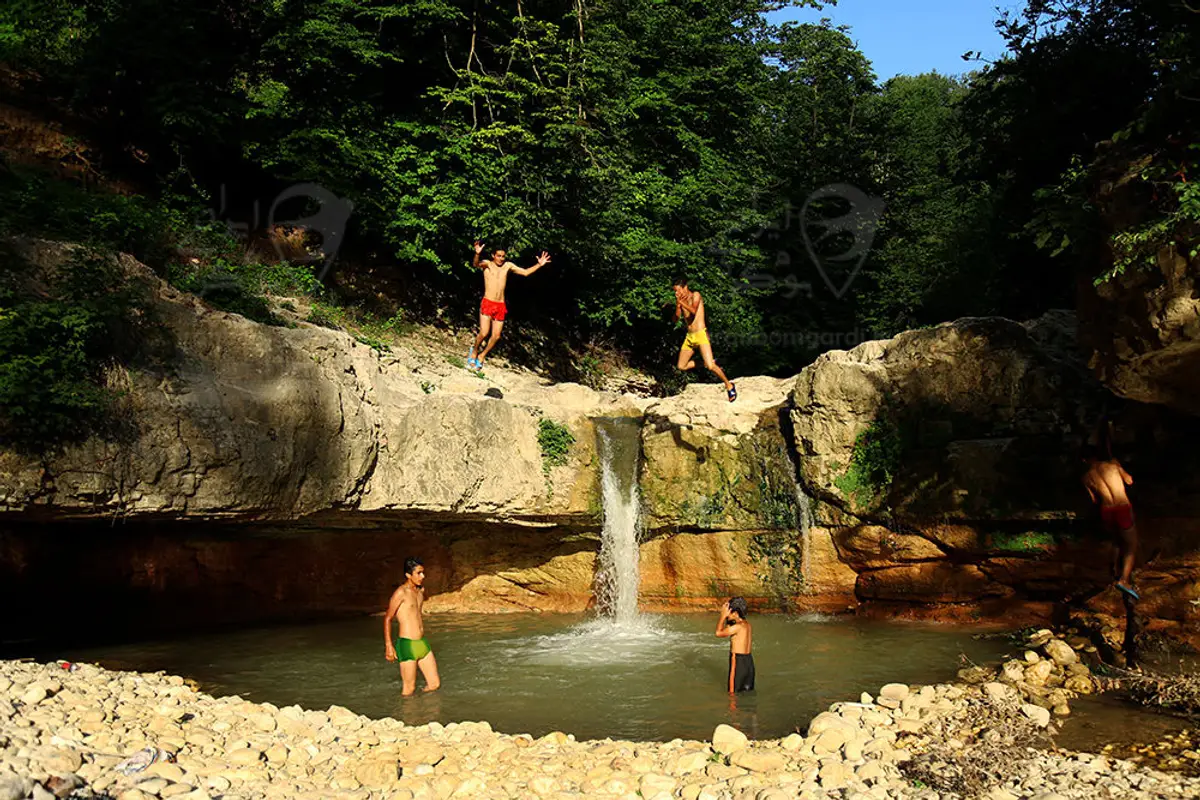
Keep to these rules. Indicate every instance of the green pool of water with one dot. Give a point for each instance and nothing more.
(533, 673)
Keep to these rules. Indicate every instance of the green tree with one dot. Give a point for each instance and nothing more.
(931, 264)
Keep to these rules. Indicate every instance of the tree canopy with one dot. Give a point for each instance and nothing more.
(637, 139)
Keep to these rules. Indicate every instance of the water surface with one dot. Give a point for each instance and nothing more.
(657, 678)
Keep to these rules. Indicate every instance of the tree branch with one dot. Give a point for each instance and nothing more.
(525, 35)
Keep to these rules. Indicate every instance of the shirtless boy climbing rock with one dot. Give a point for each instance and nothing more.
(1105, 481)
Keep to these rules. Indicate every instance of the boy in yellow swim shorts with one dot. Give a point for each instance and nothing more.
(689, 306)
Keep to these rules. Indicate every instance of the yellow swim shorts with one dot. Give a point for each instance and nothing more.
(695, 339)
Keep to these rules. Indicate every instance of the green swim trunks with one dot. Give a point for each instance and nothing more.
(411, 649)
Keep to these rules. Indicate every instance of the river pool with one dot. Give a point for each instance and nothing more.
(657, 678)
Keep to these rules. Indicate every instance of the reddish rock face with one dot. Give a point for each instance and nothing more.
(134, 579)
(932, 582)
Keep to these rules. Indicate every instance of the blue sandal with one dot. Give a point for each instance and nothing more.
(1129, 590)
(731, 392)
(471, 362)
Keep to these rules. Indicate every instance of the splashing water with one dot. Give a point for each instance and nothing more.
(619, 443)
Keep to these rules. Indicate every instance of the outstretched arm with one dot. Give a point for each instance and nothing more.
(478, 252)
(542, 261)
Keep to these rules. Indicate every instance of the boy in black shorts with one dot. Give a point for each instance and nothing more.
(733, 626)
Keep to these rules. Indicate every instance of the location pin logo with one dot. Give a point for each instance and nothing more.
(839, 244)
(329, 220)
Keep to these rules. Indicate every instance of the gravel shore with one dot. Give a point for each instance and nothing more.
(72, 733)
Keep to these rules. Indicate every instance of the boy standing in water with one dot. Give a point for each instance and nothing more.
(689, 306)
(493, 309)
(733, 626)
(411, 648)
(1105, 481)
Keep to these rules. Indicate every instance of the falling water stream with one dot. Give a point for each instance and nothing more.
(619, 444)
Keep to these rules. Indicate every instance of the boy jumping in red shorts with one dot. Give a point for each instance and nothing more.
(492, 310)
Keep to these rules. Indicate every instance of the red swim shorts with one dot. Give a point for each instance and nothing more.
(1117, 518)
(493, 309)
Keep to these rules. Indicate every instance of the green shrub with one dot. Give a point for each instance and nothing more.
(56, 340)
(590, 372)
(157, 233)
(555, 442)
(326, 316)
(373, 343)
(394, 326)
(35, 203)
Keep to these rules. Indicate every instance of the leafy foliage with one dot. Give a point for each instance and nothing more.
(1027, 542)
(634, 139)
(555, 441)
(59, 331)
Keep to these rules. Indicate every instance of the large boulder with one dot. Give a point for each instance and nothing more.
(1143, 328)
(978, 419)
(945, 467)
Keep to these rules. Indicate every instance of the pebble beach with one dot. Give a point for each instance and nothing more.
(85, 732)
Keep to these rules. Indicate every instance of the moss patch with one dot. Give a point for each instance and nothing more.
(874, 462)
(1028, 542)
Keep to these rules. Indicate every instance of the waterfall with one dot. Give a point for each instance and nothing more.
(805, 520)
(619, 445)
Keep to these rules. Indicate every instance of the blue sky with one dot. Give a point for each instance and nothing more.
(908, 37)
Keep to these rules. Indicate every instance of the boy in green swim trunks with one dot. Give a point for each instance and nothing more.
(410, 648)
(689, 306)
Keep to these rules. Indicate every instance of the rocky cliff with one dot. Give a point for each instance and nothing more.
(946, 463)
(268, 471)
(1142, 326)
(254, 422)
(281, 472)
